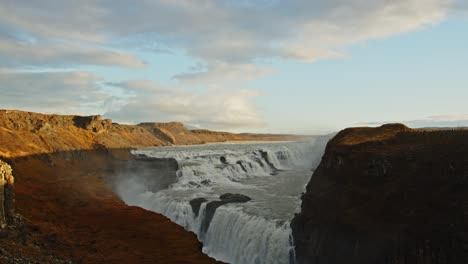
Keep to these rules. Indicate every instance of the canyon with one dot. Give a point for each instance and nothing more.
(66, 209)
(390, 194)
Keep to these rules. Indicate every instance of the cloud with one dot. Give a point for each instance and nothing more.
(454, 120)
(226, 30)
(357, 21)
(229, 38)
(138, 101)
(53, 92)
(215, 109)
(216, 73)
(52, 54)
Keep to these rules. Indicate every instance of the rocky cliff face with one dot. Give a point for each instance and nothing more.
(7, 195)
(26, 133)
(387, 195)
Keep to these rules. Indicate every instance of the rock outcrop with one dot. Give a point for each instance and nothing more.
(213, 205)
(7, 195)
(25, 133)
(387, 195)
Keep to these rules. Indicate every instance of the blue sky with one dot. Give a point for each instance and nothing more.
(262, 66)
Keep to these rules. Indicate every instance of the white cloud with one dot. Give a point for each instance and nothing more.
(53, 92)
(223, 30)
(216, 73)
(214, 109)
(357, 21)
(61, 54)
(227, 37)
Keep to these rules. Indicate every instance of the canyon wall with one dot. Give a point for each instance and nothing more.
(64, 168)
(26, 133)
(388, 195)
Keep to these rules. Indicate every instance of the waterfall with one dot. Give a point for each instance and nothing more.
(234, 234)
(241, 238)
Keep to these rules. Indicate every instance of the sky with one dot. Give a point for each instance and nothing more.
(268, 66)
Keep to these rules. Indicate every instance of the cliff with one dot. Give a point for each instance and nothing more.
(26, 133)
(388, 195)
(64, 166)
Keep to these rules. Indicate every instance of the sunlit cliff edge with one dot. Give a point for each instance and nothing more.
(26, 133)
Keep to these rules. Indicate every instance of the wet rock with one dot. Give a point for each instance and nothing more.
(243, 166)
(234, 198)
(212, 206)
(223, 160)
(205, 182)
(265, 157)
(196, 204)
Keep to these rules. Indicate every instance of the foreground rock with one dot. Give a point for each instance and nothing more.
(387, 195)
(71, 213)
(7, 195)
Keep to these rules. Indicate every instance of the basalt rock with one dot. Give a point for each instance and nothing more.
(213, 205)
(196, 204)
(387, 195)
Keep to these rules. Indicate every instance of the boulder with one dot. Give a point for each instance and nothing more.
(213, 205)
(7, 198)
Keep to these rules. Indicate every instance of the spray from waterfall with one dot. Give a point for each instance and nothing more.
(237, 198)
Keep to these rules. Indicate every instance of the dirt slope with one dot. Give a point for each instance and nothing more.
(71, 213)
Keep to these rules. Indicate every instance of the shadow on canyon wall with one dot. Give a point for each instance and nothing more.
(388, 195)
(71, 213)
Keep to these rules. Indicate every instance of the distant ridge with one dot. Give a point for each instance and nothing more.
(25, 133)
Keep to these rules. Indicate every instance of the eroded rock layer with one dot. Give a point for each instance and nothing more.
(26, 133)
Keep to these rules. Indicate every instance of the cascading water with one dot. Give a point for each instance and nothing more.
(238, 198)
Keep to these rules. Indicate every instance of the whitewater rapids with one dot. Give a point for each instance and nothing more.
(272, 174)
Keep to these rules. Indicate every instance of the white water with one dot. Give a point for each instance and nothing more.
(272, 174)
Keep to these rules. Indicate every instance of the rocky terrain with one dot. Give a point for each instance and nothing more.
(7, 195)
(26, 133)
(388, 195)
(63, 168)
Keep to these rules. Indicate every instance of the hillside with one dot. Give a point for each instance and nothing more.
(389, 195)
(26, 133)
